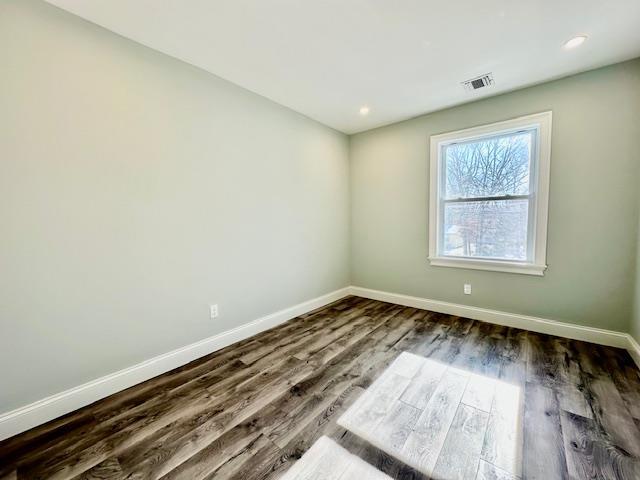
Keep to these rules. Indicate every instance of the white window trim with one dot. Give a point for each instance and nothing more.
(541, 121)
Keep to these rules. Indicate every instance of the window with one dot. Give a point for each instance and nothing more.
(489, 196)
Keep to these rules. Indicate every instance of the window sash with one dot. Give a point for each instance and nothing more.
(530, 246)
(533, 180)
(532, 130)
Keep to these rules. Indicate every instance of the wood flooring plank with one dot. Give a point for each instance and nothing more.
(43, 435)
(424, 383)
(384, 462)
(487, 471)
(460, 454)
(423, 446)
(328, 319)
(397, 424)
(571, 393)
(321, 461)
(407, 365)
(611, 415)
(514, 354)
(479, 392)
(172, 452)
(515, 344)
(236, 385)
(299, 343)
(365, 330)
(442, 338)
(233, 467)
(590, 358)
(270, 463)
(145, 424)
(544, 363)
(107, 470)
(189, 393)
(590, 453)
(337, 331)
(503, 440)
(574, 400)
(295, 422)
(399, 327)
(623, 373)
(359, 469)
(162, 384)
(478, 352)
(543, 450)
(236, 441)
(328, 460)
(371, 408)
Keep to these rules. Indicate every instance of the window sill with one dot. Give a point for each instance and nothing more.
(490, 265)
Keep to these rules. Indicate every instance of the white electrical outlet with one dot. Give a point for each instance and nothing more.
(467, 289)
(213, 311)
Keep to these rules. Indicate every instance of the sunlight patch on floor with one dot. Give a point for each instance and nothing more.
(329, 461)
(440, 420)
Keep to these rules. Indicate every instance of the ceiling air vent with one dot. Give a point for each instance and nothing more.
(477, 83)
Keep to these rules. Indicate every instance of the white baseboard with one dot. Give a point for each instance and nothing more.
(525, 322)
(42, 411)
(634, 350)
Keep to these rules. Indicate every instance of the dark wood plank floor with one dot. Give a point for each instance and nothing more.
(250, 411)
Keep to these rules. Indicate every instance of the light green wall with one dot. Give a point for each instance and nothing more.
(593, 203)
(134, 191)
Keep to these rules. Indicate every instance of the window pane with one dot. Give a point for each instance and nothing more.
(489, 167)
(492, 229)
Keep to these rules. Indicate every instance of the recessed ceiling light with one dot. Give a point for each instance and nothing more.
(364, 110)
(575, 41)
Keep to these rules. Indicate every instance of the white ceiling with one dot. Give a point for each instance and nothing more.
(402, 58)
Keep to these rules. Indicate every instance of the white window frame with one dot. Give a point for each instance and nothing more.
(538, 200)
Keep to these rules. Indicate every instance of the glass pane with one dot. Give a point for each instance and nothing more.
(492, 229)
(489, 166)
